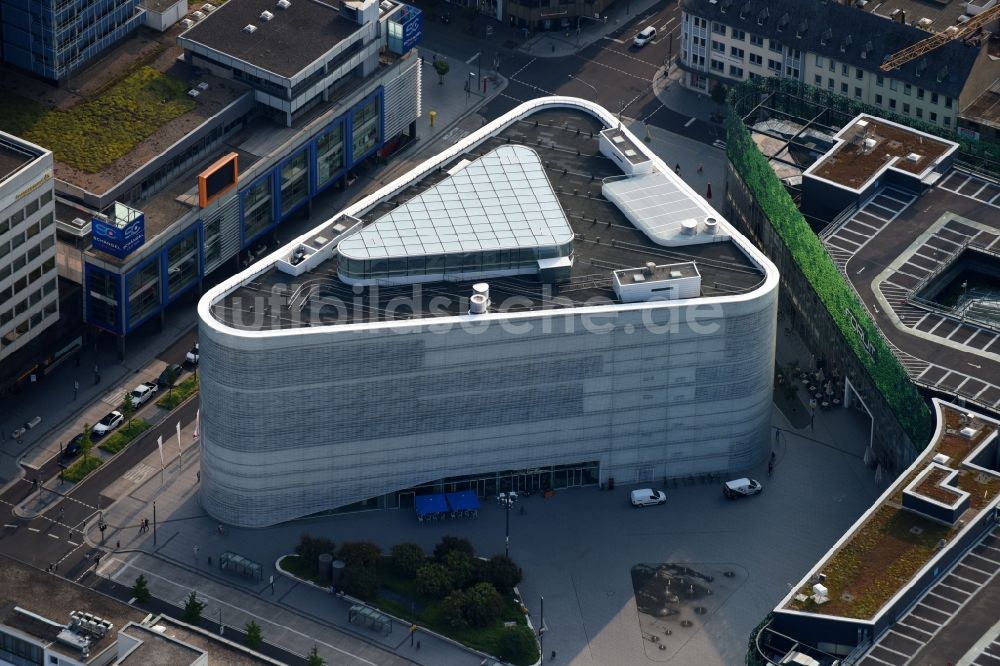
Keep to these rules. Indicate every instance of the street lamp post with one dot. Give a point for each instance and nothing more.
(541, 627)
(506, 538)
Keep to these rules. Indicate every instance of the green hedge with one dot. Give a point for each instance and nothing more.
(179, 393)
(830, 286)
(124, 436)
(81, 468)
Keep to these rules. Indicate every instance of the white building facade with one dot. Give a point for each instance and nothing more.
(824, 44)
(29, 299)
(307, 419)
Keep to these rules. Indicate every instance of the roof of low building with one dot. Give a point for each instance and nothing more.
(858, 38)
(286, 44)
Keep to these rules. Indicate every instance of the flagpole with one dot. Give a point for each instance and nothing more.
(159, 446)
(180, 454)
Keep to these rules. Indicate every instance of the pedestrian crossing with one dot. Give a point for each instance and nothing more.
(139, 473)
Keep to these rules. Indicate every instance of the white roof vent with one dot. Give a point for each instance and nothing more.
(187, 23)
(208, 8)
(250, 28)
(284, 4)
(198, 16)
(913, 157)
(266, 16)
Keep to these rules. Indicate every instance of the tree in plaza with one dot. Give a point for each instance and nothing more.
(360, 582)
(359, 554)
(718, 94)
(453, 609)
(128, 408)
(517, 645)
(434, 580)
(483, 605)
(441, 67)
(462, 568)
(141, 589)
(503, 573)
(87, 443)
(193, 609)
(406, 558)
(450, 543)
(310, 548)
(171, 381)
(254, 637)
(313, 658)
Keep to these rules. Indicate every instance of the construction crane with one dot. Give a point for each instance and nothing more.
(961, 31)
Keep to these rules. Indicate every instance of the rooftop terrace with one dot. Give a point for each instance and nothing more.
(890, 545)
(566, 142)
(868, 146)
(13, 157)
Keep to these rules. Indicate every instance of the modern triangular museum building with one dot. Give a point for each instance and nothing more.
(543, 305)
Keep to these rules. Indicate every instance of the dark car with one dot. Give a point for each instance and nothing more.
(173, 370)
(74, 447)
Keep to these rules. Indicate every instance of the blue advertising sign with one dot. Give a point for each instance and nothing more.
(413, 27)
(119, 241)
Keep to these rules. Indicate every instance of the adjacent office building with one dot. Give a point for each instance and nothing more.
(29, 300)
(543, 305)
(831, 46)
(55, 38)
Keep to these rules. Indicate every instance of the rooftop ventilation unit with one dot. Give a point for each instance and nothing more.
(250, 28)
(266, 16)
(194, 92)
(198, 16)
(208, 8)
(283, 4)
(913, 157)
(187, 23)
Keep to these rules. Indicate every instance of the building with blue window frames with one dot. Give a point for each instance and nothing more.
(121, 295)
(55, 38)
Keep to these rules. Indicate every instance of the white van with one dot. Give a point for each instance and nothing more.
(644, 37)
(741, 488)
(647, 497)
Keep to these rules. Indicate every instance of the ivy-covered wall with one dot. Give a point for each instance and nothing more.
(806, 267)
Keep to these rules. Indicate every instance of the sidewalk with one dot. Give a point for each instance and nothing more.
(559, 43)
(185, 557)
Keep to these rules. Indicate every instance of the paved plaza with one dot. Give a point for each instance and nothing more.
(577, 550)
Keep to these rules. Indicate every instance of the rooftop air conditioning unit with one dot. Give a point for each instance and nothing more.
(284, 4)
(194, 92)
(207, 8)
(187, 23)
(198, 16)
(266, 15)
(250, 28)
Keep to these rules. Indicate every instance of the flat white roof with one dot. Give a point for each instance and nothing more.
(501, 201)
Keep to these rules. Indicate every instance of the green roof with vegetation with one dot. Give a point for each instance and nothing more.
(93, 134)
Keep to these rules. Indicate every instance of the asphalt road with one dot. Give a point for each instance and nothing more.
(610, 71)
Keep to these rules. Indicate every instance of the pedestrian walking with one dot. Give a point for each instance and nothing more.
(221, 529)
(196, 552)
(770, 468)
(677, 168)
(76, 387)
(198, 474)
(553, 657)
(118, 544)
(418, 645)
(701, 167)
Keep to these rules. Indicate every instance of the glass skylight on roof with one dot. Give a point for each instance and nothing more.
(501, 201)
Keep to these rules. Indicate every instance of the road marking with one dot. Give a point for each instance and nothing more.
(72, 543)
(688, 123)
(612, 39)
(528, 64)
(13, 527)
(53, 536)
(474, 56)
(34, 529)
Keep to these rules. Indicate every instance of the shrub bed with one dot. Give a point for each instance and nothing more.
(124, 436)
(81, 468)
(179, 393)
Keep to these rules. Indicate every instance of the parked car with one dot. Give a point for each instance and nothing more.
(172, 370)
(647, 497)
(74, 447)
(143, 392)
(193, 355)
(645, 36)
(111, 421)
(741, 488)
